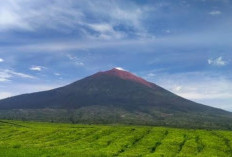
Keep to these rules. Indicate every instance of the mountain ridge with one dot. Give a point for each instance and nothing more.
(113, 96)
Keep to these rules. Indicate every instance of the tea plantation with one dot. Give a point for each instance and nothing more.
(35, 139)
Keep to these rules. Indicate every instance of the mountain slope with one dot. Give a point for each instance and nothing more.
(114, 96)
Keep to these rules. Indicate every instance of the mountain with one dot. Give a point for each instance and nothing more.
(114, 96)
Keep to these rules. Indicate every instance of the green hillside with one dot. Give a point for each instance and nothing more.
(22, 139)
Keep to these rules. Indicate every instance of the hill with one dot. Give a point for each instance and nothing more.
(114, 96)
(22, 139)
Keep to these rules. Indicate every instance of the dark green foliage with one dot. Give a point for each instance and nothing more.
(112, 115)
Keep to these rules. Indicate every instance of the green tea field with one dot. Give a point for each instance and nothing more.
(35, 139)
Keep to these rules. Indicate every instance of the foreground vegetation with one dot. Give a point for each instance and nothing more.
(22, 139)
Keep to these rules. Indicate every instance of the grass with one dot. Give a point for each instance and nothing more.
(37, 139)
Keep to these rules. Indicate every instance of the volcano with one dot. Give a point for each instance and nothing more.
(114, 97)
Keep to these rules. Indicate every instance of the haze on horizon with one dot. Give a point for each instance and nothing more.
(183, 46)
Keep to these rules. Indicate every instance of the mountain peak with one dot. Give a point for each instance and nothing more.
(123, 74)
(113, 97)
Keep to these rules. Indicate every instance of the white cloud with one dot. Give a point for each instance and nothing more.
(177, 88)
(1, 60)
(75, 60)
(104, 27)
(201, 87)
(204, 88)
(2, 79)
(215, 12)
(37, 68)
(106, 31)
(217, 61)
(6, 75)
(57, 74)
(5, 95)
(150, 75)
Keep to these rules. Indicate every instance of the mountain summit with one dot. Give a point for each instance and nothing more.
(122, 74)
(114, 96)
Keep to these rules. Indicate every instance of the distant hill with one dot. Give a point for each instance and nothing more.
(114, 96)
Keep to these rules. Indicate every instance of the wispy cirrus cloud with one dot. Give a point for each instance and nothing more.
(70, 16)
(215, 12)
(9, 19)
(75, 60)
(22, 15)
(6, 75)
(106, 31)
(57, 74)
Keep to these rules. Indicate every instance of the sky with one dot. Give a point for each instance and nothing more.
(181, 45)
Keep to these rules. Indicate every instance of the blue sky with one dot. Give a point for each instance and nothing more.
(183, 46)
